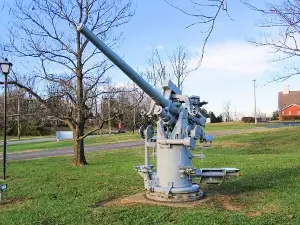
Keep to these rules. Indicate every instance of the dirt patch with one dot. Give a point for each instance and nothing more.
(271, 208)
(141, 199)
(255, 213)
(254, 204)
(226, 202)
(258, 212)
(126, 201)
(11, 201)
(102, 203)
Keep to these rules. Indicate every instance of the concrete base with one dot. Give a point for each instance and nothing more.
(175, 197)
(142, 199)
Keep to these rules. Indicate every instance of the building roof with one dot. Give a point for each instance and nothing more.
(289, 106)
(285, 100)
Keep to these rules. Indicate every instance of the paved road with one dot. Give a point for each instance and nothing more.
(120, 145)
(68, 151)
(18, 142)
(38, 140)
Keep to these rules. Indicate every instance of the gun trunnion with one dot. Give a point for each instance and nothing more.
(179, 125)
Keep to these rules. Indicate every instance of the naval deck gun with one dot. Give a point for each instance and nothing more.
(179, 126)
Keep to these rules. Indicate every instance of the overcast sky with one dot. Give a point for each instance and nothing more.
(230, 62)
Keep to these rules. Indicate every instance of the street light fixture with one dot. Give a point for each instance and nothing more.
(5, 69)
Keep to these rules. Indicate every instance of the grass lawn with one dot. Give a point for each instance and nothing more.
(229, 126)
(52, 145)
(15, 138)
(52, 191)
(209, 127)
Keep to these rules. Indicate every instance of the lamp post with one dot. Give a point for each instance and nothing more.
(5, 69)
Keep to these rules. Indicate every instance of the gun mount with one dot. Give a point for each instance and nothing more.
(179, 126)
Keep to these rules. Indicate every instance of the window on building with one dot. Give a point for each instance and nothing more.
(282, 112)
(290, 113)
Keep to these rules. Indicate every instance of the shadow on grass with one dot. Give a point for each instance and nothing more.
(276, 179)
(262, 149)
(255, 149)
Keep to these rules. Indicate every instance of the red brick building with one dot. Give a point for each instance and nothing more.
(288, 104)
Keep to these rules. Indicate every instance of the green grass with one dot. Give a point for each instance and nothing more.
(15, 138)
(229, 126)
(52, 191)
(53, 145)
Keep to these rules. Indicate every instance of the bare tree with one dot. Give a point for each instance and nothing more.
(261, 115)
(131, 119)
(25, 115)
(70, 72)
(117, 104)
(205, 12)
(175, 66)
(156, 73)
(180, 61)
(284, 17)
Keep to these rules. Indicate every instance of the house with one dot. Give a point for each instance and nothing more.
(288, 104)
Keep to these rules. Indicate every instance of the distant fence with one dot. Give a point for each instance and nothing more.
(64, 135)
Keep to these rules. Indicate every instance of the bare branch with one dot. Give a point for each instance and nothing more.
(285, 16)
(122, 112)
(204, 19)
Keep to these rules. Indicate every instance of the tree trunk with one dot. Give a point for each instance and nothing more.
(79, 157)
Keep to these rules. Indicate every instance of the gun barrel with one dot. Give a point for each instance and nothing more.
(122, 65)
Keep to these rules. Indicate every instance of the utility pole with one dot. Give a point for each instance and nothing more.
(254, 100)
(235, 114)
(108, 107)
(134, 114)
(19, 119)
(133, 120)
(109, 120)
(96, 107)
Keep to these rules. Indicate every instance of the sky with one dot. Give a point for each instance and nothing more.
(230, 62)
